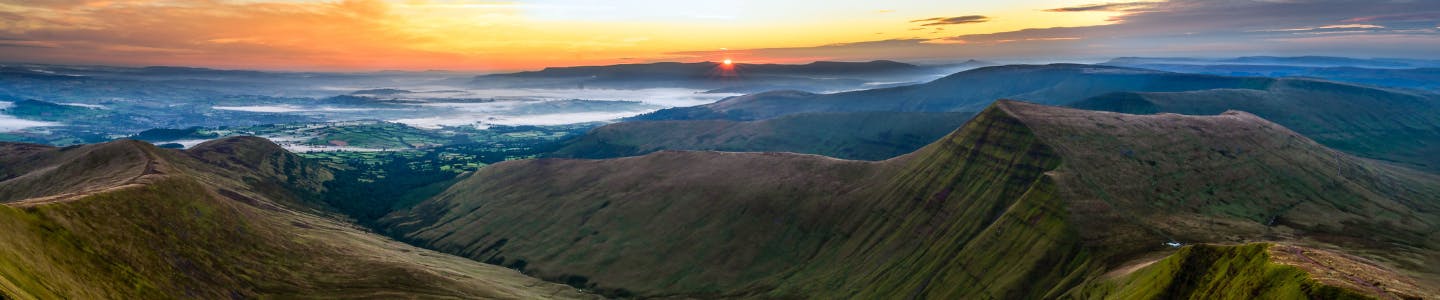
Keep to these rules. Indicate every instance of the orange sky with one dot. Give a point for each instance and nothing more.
(482, 35)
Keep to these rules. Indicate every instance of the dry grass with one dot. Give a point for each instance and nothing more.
(189, 228)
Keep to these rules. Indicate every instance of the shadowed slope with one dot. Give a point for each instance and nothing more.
(1025, 201)
(864, 136)
(191, 229)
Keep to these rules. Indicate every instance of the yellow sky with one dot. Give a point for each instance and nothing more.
(478, 35)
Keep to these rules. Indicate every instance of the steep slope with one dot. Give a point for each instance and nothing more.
(863, 135)
(1381, 124)
(1255, 271)
(228, 219)
(1024, 201)
(971, 90)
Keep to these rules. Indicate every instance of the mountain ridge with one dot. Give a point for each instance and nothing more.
(1015, 204)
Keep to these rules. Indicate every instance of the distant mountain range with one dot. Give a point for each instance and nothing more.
(1295, 61)
(1393, 125)
(965, 91)
(1024, 201)
(718, 77)
(1398, 74)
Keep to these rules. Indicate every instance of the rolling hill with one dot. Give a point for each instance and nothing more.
(1296, 61)
(1382, 124)
(231, 218)
(861, 135)
(1024, 201)
(1427, 79)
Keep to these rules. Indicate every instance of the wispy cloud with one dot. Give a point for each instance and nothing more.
(1424, 16)
(1113, 6)
(1186, 27)
(942, 21)
(27, 44)
(1341, 26)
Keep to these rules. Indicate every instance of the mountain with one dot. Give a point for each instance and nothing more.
(1427, 79)
(965, 91)
(1024, 201)
(1387, 124)
(230, 218)
(1390, 125)
(1299, 61)
(860, 135)
(967, 65)
(737, 78)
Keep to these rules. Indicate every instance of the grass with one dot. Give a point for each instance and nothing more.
(1221, 272)
(1375, 123)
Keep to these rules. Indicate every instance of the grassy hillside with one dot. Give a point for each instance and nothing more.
(864, 136)
(1222, 272)
(227, 219)
(1381, 124)
(1024, 201)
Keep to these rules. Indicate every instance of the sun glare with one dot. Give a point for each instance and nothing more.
(728, 62)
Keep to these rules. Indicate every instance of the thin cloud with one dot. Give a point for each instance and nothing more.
(952, 20)
(1182, 28)
(27, 44)
(1113, 6)
(1341, 26)
(1429, 16)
